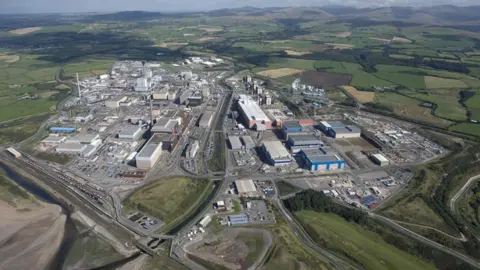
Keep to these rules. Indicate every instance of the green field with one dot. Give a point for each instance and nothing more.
(275, 63)
(351, 240)
(447, 102)
(169, 199)
(87, 67)
(467, 128)
(473, 105)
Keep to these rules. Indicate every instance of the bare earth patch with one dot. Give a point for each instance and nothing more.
(24, 31)
(172, 44)
(343, 34)
(208, 39)
(47, 94)
(9, 58)
(281, 72)
(381, 39)
(340, 46)
(210, 29)
(188, 35)
(400, 39)
(29, 239)
(292, 52)
(361, 96)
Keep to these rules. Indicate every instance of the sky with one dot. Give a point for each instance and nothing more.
(74, 6)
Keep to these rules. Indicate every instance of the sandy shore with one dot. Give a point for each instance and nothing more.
(29, 239)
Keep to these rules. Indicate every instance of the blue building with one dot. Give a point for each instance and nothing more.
(307, 140)
(291, 126)
(321, 160)
(339, 130)
(240, 219)
(62, 129)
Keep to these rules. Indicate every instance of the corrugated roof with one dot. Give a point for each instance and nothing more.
(235, 142)
(251, 109)
(276, 149)
(245, 186)
(292, 124)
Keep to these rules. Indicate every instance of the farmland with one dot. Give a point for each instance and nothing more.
(281, 72)
(438, 83)
(362, 246)
(87, 67)
(168, 199)
(321, 79)
(360, 96)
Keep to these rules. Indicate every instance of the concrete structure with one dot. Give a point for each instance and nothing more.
(131, 132)
(71, 148)
(184, 97)
(148, 156)
(89, 150)
(276, 153)
(63, 129)
(205, 221)
(83, 138)
(53, 140)
(14, 152)
(268, 99)
(206, 92)
(206, 119)
(252, 113)
(248, 142)
(142, 85)
(380, 159)
(246, 187)
(192, 149)
(304, 141)
(114, 102)
(321, 160)
(339, 130)
(83, 117)
(235, 143)
(166, 125)
(240, 219)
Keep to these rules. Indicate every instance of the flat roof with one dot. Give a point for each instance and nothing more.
(206, 117)
(129, 130)
(245, 186)
(292, 124)
(53, 139)
(305, 138)
(251, 109)
(84, 137)
(380, 157)
(72, 146)
(276, 149)
(323, 158)
(150, 147)
(235, 142)
(247, 140)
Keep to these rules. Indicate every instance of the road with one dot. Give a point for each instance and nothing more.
(454, 199)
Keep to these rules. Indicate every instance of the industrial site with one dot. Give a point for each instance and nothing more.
(144, 121)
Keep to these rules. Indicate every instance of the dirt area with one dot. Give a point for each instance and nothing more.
(361, 96)
(30, 237)
(47, 94)
(340, 46)
(209, 39)
(9, 58)
(322, 79)
(476, 53)
(188, 35)
(400, 39)
(234, 248)
(24, 31)
(296, 53)
(343, 34)
(210, 29)
(281, 72)
(381, 39)
(172, 44)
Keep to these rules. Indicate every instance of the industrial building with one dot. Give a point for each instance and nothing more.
(164, 95)
(276, 153)
(83, 139)
(240, 219)
(53, 140)
(246, 187)
(195, 100)
(235, 143)
(184, 97)
(14, 152)
(321, 160)
(205, 221)
(71, 148)
(206, 119)
(380, 159)
(339, 130)
(62, 129)
(166, 125)
(248, 142)
(142, 85)
(151, 151)
(304, 141)
(131, 132)
(192, 149)
(292, 126)
(252, 113)
(114, 102)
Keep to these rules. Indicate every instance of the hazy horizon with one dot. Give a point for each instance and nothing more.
(69, 6)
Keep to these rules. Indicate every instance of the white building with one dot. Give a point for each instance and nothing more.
(268, 99)
(252, 113)
(71, 148)
(130, 133)
(235, 143)
(192, 149)
(114, 102)
(380, 159)
(276, 153)
(142, 85)
(206, 92)
(246, 187)
(148, 156)
(53, 140)
(83, 139)
(206, 119)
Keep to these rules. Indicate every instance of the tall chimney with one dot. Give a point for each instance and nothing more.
(78, 87)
